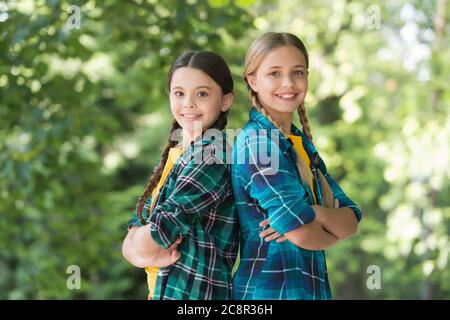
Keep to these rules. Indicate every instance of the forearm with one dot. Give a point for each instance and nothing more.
(340, 221)
(142, 252)
(143, 244)
(139, 248)
(129, 252)
(138, 261)
(311, 236)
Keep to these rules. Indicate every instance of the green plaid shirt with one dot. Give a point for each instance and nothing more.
(196, 202)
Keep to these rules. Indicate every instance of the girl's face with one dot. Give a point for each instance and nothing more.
(196, 100)
(281, 81)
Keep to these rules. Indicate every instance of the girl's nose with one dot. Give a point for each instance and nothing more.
(189, 104)
(287, 82)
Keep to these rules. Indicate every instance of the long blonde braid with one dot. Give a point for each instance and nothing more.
(328, 196)
(305, 173)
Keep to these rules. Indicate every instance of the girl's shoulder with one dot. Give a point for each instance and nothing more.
(260, 148)
(254, 134)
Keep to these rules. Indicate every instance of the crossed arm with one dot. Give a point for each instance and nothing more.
(172, 219)
(341, 222)
(141, 250)
(329, 226)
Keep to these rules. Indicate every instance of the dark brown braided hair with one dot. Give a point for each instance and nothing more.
(217, 69)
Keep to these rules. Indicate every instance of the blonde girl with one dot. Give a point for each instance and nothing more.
(291, 209)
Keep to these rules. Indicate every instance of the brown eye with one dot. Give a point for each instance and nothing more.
(202, 94)
(178, 93)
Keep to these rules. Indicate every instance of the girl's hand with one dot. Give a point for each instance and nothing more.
(322, 212)
(164, 258)
(270, 234)
(336, 203)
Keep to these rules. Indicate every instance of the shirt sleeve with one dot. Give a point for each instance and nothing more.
(274, 184)
(199, 188)
(344, 200)
(134, 221)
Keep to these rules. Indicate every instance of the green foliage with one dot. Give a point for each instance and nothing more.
(83, 119)
(84, 115)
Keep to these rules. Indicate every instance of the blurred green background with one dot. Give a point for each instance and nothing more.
(84, 115)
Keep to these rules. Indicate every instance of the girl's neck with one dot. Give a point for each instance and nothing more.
(189, 136)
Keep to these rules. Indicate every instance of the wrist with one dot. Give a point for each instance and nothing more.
(143, 242)
(319, 213)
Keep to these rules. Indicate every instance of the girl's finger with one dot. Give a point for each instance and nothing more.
(272, 237)
(336, 203)
(282, 239)
(174, 256)
(264, 223)
(266, 232)
(175, 245)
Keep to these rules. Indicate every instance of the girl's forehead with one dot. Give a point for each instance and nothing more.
(286, 56)
(188, 77)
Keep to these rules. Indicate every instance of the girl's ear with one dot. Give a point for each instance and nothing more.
(251, 79)
(227, 101)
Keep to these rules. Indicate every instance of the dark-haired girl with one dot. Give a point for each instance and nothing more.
(185, 221)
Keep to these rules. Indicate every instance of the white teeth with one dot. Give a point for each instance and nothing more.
(191, 116)
(286, 96)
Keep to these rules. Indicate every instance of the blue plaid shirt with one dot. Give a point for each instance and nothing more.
(266, 184)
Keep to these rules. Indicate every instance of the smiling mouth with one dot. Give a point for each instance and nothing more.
(286, 96)
(192, 116)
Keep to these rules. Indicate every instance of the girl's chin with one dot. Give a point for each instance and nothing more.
(285, 107)
(195, 125)
(190, 125)
(191, 131)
